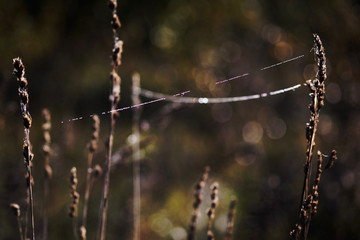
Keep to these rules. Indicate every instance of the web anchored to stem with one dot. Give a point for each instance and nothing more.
(179, 97)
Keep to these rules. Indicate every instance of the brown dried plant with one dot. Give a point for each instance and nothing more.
(230, 219)
(114, 99)
(198, 198)
(211, 211)
(46, 126)
(73, 209)
(309, 200)
(92, 147)
(16, 210)
(19, 71)
(136, 155)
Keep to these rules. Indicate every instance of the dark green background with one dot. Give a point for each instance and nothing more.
(178, 46)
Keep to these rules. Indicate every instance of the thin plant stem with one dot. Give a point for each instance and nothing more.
(317, 92)
(92, 148)
(19, 71)
(211, 211)
(46, 126)
(198, 197)
(16, 209)
(73, 210)
(136, 157)
(114, 99)
(230, 219)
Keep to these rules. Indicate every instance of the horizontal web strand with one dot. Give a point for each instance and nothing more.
(204, 100)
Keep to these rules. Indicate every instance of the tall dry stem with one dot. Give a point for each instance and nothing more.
(92, 146)
(16, 210)
(73, 210)
(136, 156)
(114, 99)
(230, 219)
(211, 211)
(19, 71)
(198, 198)
(309, 200)
(46, 126)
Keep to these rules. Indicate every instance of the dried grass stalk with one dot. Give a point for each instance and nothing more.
(75, 196)
(211, 211)
(92, 146)
(198, 197)
(19, 71)
(136, 156)
(114, 99)
(309, 200)
(16, 210)
(230, 220)
(46, 127)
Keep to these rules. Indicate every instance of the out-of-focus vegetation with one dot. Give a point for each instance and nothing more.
(256, 149)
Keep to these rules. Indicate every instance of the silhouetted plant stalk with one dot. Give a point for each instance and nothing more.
(114, 99)
(46, 126)
(211, 211)
(198, 198)
(92, 147)
(73, 210)
(230, 219)
(309, 201)
(19, 71)
(136, 156)
(16, 210)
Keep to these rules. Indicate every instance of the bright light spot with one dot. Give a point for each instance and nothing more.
(252, 132)
(178, 233)
(283, 50)
(160, 224)
(132, 139)
(164, 37)
(221, 222)
(271, 33)
(203, 100)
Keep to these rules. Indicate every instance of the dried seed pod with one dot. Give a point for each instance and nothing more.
(73, 210)
(321, 58)
(332, 159)
(16, 209)
(93, 145)
(197, 201)
(230, 219)
(112, 5)
(117, 51)
(97, 171)
(82, 233)
(115, 22)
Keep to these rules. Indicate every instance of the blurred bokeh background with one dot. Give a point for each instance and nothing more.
(256, 149)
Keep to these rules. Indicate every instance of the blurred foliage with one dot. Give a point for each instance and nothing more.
(256, 149)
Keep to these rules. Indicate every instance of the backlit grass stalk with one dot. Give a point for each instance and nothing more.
(92, 146)
(230, 220)
(136, 156)
(46, 126)
(211, 211)
(16, 210)
(19, 71)
(198, 198)
(114, 99)
(309, 200)
(73, 210)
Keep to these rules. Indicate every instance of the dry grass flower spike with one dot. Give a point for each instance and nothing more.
(19, 71)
